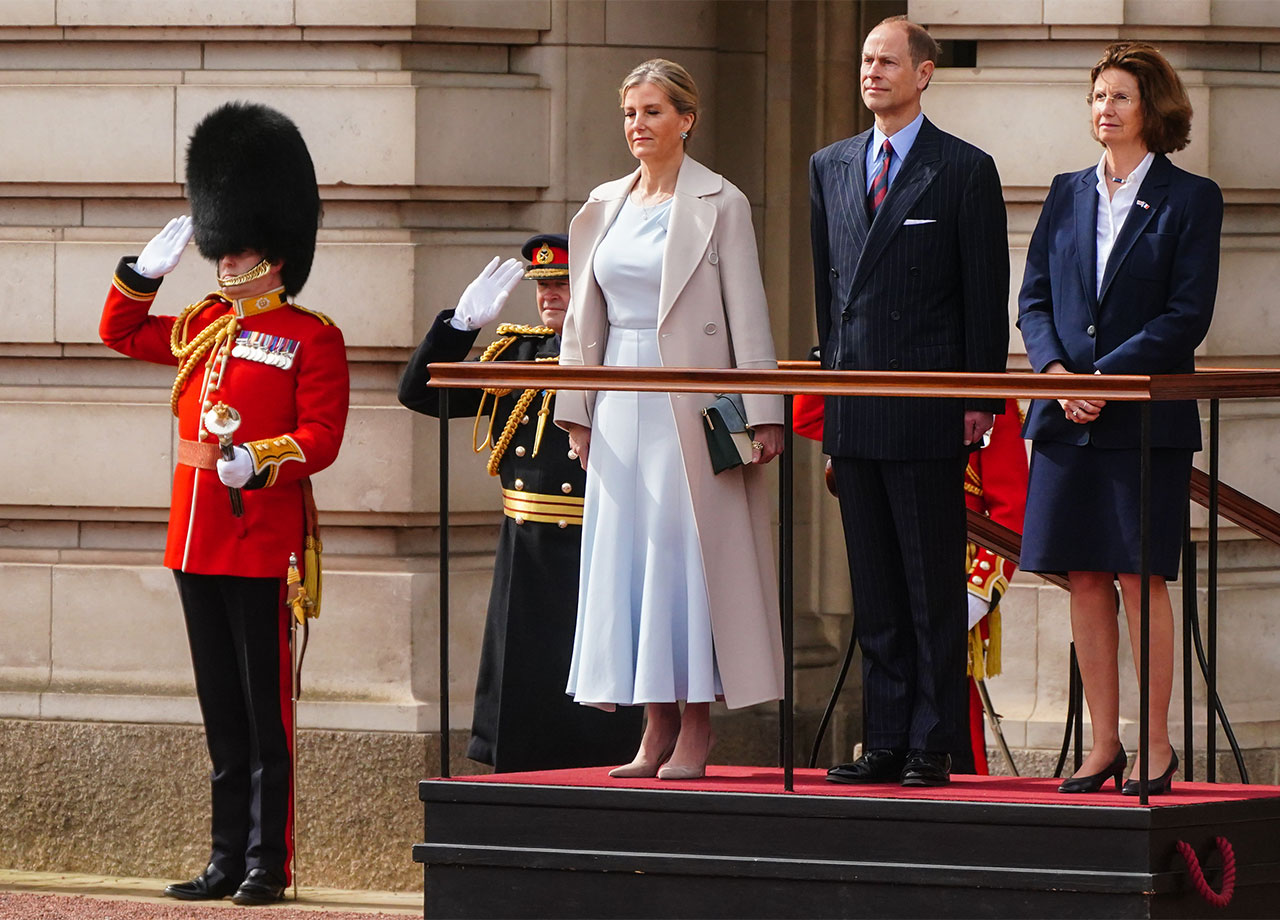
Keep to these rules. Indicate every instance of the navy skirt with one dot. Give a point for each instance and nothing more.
(1083, 503)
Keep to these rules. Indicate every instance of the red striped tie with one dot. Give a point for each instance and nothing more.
(880, 184)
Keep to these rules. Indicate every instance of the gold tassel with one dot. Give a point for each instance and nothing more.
(542, 420)
(295, 594)
(312, 574)
(993, 642)
(977, 669)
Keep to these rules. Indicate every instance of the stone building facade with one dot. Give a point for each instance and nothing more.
(443, 132)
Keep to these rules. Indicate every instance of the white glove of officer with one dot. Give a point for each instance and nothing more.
(161, 255)
(979, 607)
(235, 472)
(485, 297)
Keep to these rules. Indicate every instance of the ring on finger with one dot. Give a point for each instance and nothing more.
(758, 446)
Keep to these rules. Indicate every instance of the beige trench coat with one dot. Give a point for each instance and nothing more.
(711, 314)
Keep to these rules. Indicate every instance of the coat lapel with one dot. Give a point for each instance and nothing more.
(1086, 213)
(854, 188)
(1152, 193)
(692, 222)
(918, 171)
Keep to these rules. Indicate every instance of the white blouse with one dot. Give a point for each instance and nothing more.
(1113, 211)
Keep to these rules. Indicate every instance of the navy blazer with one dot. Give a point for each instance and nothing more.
(1155, 306)
(925, 287)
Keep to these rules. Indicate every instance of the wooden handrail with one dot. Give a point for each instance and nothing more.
(1237, 507)
(1213, 384)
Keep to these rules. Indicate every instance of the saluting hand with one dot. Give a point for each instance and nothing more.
(485, 297)
(161, 255)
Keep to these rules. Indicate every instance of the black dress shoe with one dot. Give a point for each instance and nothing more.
(878, 765)
(1095, 781)
(926, 768)
(259, 887)
(210, 885)
(1158, 786)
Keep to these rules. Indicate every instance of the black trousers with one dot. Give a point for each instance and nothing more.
(238, 631)
(904, 527)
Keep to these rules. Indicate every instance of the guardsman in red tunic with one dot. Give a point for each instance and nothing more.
(270, 377)
(995, 484)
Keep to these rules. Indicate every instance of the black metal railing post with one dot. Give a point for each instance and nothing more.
(786, 600)
(1189, 614)
(444, 581)
(1144, 631)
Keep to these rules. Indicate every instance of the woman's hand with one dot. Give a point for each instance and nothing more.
(766, 443)
(580, 442)
(1080, 411)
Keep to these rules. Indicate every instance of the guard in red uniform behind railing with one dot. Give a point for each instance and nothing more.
(245, 350)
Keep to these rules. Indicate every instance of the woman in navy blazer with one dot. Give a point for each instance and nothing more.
(1121, 275)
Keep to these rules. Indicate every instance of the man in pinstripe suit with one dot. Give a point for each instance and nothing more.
(911, 270)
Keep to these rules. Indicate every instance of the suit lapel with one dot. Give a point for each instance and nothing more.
(853, 188)
(1152, 193)
(1086, 211)
(917, 173)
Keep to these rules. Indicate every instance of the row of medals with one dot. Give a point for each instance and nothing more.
(274, 350)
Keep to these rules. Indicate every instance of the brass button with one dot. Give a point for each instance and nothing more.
(519, 483)
(519, 518)
(525, 420)
(566, 487)
(984, 565)
(563, 524)
(977, 579)
(520, 450)
(573, 455)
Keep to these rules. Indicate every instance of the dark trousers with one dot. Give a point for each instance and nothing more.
(238, 631)
(904, 528)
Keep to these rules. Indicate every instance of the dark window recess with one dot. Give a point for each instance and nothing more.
(958, 53)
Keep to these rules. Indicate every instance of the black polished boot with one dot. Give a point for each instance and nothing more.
(210, 885)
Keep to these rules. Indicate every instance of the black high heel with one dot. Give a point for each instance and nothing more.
(1158, 786)
(1094, 781)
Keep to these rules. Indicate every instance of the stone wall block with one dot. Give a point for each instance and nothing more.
(670, 23)
(26, 309)
(136, 644)
(26, 615)
(62, 122)
(175, 13)
(493, 14)
(362, 13)
(1083, 12)
(1167, 12)
(82, 454)
(357, 135)
(457, 127)
(367, 289)
(1245, 13)
(978, 12)
(28, 13)
(370, 474)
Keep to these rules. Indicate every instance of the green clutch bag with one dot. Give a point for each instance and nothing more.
(728, 438)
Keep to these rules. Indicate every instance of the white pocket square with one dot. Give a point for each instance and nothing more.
(912, 222)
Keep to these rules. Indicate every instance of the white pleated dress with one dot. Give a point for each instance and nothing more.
(644, 620)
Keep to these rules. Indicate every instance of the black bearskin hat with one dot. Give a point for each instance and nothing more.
(252, 186)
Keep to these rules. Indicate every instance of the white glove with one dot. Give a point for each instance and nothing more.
(485, 297)
(979, 607)
(161, 255)
(235, 472)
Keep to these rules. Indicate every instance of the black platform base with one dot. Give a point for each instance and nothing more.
(495, 849)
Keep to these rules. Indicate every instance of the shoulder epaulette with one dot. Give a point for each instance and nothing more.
(316, 313)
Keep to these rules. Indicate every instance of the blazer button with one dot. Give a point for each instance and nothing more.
(834, 273)
(1091, 331)
(714, 259)
(520, 450)
(895, 315)
(566, 488)
(913, 270)
(893, 364)
(519, 484)
(710, 328)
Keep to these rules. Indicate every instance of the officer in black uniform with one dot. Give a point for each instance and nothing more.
(523, 719)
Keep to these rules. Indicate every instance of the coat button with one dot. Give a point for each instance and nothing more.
(520, 451)
(913, 270)
(1091, 331)
(710, 328)
(519, 518)
(573, 455)
(895, 315)
(893, 364)
(714, 259)
(525, 420)
(984, 565)
(519, 483)
(977, 579)
(563, 523)
(834, 273)
(566, 487)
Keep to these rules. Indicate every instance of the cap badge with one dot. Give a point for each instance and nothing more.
(544, 255)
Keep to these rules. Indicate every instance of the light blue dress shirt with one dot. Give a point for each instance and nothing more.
(902, 142)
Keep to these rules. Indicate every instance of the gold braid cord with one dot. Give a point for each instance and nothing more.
(511, 332)
(218, 334)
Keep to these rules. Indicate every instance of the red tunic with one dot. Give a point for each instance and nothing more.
(293, 413)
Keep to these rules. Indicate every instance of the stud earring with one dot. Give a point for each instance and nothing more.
(684, 135)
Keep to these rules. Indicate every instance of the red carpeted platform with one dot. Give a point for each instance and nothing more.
(577, 843)
(1012, 789)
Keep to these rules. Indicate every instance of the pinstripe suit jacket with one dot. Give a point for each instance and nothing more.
(925, 287)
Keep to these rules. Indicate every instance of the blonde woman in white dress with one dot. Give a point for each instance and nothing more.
(678, 602)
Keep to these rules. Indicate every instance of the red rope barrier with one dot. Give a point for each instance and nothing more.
(1217, 899)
